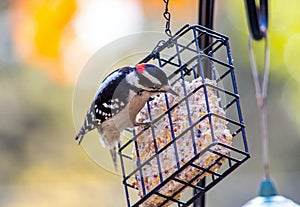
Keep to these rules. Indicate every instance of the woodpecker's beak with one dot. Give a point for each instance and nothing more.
(169, 89)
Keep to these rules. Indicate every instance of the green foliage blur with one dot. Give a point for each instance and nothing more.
(41, 165)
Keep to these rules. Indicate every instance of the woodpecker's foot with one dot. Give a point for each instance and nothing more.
(145, 124)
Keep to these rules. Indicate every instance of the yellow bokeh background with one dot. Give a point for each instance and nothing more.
(39, 28)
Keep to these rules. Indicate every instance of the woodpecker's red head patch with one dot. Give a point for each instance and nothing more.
(140, 68)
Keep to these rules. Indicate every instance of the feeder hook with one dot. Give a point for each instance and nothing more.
(257, 18)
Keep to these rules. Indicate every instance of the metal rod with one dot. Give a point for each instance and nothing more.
(261, 98)
(206, 19)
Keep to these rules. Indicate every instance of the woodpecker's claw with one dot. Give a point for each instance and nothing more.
(145, 124)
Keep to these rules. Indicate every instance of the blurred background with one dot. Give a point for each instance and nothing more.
(44, 44)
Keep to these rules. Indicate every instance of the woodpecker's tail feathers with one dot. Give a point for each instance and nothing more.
(88, 125)
(79, 136)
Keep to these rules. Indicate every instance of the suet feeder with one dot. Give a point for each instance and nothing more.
(154, 171)
(197, 139)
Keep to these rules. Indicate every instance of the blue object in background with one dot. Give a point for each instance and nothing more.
(268, 197)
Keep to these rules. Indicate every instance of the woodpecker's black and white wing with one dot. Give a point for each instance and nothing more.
(110, 99)
(112, 96)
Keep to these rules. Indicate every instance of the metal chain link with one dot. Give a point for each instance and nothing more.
(167, 16)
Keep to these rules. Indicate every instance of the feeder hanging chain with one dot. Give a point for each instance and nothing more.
(167, 16)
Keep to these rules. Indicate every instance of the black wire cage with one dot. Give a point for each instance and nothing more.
(184, 62)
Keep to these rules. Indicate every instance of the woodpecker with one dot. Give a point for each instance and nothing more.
(120, 97)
